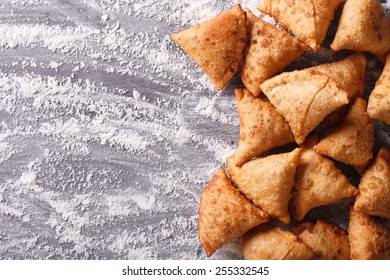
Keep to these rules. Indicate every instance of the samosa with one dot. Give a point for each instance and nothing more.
(268, 242)
(267, 182)
(363, 26)
(348, 73)
(368, 237)
(308, 20)
(374, 187)
(261, 127)
(304, 98)
(216, 45)
(379, 102)
(225, 214)
(352, 141)
(328, 242)
(269, 51)
(317, 182)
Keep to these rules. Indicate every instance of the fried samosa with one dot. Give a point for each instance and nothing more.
(317, 182)
(379, 102)
(261, 127)
(269, 51)
(308, 20)
(374, 187)
(304, 98)
(225, 214)
(267, 242)
(352, 141)
(216, 45)
(328, 242)
(363, 26)
(368, 237)
(267, 182)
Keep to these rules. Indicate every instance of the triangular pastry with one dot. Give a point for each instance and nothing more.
(374, 188)
(216, 45)
(317, 182)
(225, 214)
(267, 242)
(352, 141)
(309, 20)
(379, 102)
(304, 98)
(267, 182)
(261, 127)
(369, 239)
(328, 242)
(348, 73)
(269, 51)
(363, 26)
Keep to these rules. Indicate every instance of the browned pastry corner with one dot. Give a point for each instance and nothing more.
(216, 45)
(225, 214)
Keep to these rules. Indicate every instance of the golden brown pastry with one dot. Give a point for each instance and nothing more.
(304, 98)
(374, 188)
(261, 127)
(352, 141)
(269, 51)
(309, 20)
(267, 242)
(267, 182)
(225, 214)
(349, 73)
(216, 45)
(379, 102)
(317, 182)
(328, 242)
(369, 239)
(363, 26)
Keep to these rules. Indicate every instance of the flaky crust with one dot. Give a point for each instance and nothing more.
(267, 242)
(267, 182)
(309, 20)
(363, 26)
(261, 127)
(348, 73)
(269, 51)
(328, 242)
(374, 187)
(225, 214)
(317, 182)
(369, 239)
(352, 141)
(379, 102)
(304, 98)
(216, 45)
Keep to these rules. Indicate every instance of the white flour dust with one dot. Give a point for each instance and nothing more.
(108, 131)
(103, 145)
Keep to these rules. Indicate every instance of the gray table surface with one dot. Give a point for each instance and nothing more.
(109, 132)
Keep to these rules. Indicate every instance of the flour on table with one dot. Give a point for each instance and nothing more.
(108, 130)
(28, 180)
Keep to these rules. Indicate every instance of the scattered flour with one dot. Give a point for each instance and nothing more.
(183, 136)
(28, 180)
(6, 151)
(145, 203)
(53, 37)
(207, 107)
(29, 2)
